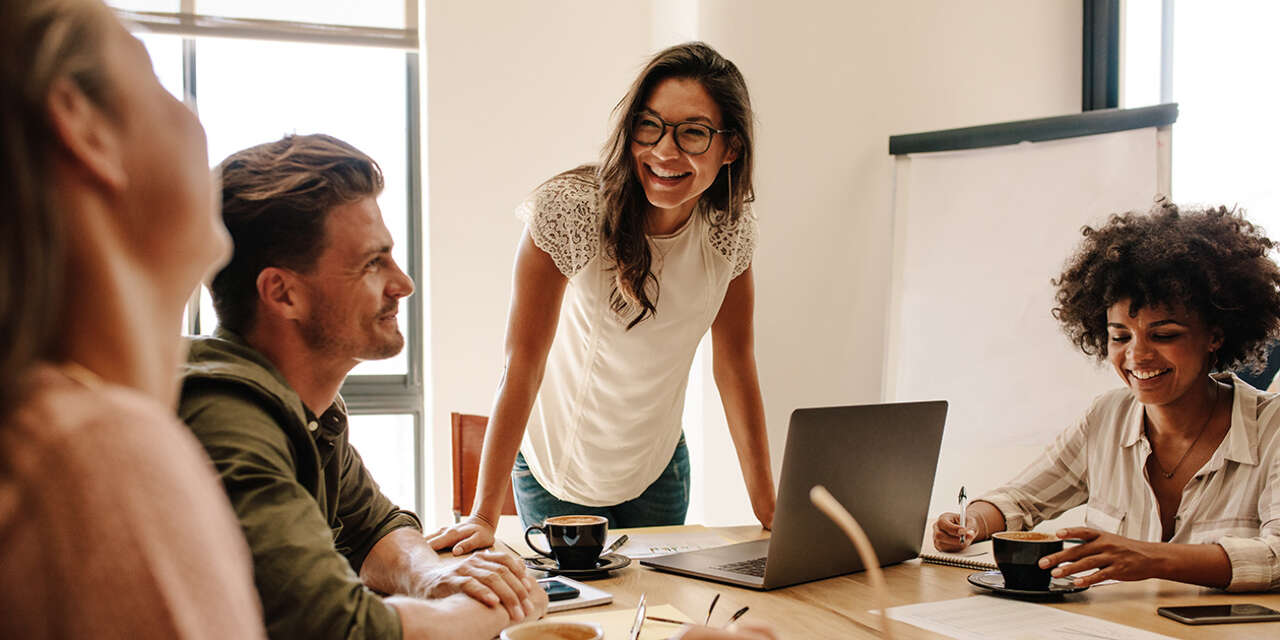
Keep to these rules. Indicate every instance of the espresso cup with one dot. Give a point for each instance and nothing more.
(576, 541)
(1018, 555)
(553, 630)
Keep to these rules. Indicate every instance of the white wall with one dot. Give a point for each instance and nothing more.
(830, 83)
(1009, 216)
(518, 91)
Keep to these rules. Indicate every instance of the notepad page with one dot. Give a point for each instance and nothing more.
(992, 618)
(976, 556)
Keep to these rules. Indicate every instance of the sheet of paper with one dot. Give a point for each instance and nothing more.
(648, 545)
(617, 623)
(992, 618)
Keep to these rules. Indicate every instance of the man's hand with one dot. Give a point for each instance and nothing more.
(491, 577)
(457, 616)
(466, 536)
(947, 532)
(1115, 557)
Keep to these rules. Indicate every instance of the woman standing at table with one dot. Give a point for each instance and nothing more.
(621, 270)
(1180, 470)
(112, 523)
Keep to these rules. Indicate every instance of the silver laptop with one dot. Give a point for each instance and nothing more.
(878, 460)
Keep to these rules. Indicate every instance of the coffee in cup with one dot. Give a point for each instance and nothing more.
(576, 541)
(553, 630)
(1018, 555)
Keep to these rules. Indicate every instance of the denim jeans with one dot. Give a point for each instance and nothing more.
(665, 502)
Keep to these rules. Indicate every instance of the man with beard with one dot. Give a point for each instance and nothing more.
(311, 291)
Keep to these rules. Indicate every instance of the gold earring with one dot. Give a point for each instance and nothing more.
(728, 177)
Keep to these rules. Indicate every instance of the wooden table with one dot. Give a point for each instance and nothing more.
(838, 607)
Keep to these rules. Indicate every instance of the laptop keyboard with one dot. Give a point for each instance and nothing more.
(753, 567)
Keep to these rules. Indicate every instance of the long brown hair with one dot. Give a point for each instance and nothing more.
(47, 41)
(623, 201)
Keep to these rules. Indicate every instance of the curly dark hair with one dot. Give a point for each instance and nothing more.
(1210, 261)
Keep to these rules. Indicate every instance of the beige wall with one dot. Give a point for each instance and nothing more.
(520, 90)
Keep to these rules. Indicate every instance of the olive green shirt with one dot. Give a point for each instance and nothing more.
(308, 507)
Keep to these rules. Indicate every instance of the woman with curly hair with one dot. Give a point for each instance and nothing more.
(1179, 471)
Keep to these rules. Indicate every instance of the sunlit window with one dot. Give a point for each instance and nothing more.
(1223, 57)
(354, 77)
(384, 441)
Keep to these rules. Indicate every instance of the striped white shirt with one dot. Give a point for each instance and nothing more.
(1233, 500)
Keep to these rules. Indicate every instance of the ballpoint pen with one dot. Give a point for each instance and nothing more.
(617, 544)
(639, 621)
(964, 512)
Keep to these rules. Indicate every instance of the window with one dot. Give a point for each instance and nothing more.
(256, 71)
(1214, 60)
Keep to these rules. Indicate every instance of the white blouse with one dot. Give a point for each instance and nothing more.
(1233, 500)
(606, 420)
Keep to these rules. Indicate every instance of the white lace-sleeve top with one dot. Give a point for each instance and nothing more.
(606, 420)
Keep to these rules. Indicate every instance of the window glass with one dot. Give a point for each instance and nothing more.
(366, 13)
(161, 6)
(1141, 60)
(251, 92)
(385, 443)
(208, 317)
(1224, 139)
(166, 59)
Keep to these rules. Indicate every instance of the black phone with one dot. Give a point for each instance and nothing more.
(1220, 613)
(557, 590)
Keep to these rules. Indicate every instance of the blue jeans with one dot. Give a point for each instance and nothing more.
(665, 502)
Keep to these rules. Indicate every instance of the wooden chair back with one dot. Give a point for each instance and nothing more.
(468, 441)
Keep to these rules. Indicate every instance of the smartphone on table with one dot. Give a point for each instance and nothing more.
(1220, 613)
(557, 590)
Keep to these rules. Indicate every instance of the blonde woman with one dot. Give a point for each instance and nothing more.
(112, 524)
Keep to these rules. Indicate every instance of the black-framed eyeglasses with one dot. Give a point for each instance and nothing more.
(693, 138)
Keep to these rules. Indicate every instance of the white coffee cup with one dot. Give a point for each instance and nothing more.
(554, 630)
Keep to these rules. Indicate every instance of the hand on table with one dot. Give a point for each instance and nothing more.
(763, 503)
(465, 537)
(765, 516)
(1115, 557)
(490, 577)
(947, 531)
(741, 630)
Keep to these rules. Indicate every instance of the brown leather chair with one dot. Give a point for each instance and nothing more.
(468, 441)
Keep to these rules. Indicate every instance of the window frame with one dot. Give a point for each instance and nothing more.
(364, 394)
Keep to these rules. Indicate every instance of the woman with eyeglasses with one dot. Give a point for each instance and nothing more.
(622, 268)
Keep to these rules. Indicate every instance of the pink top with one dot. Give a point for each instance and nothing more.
(113, 524)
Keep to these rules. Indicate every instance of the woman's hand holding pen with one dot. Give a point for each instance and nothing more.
(981, 520)
(948, 535)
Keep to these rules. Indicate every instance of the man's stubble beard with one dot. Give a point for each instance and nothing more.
(319, 338)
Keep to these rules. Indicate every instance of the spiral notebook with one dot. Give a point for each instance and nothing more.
(977, 556)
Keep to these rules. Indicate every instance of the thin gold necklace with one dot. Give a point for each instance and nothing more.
(1213, 408)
